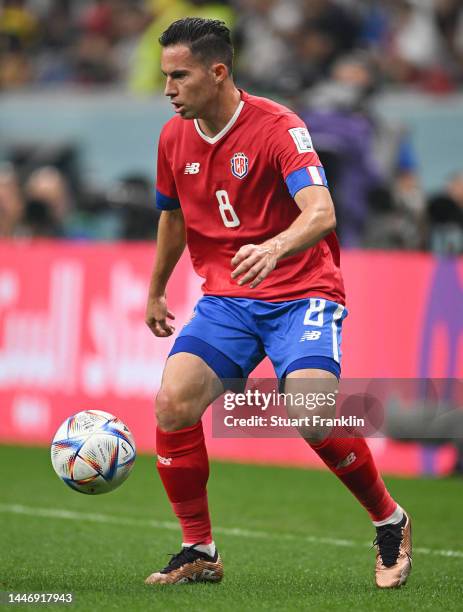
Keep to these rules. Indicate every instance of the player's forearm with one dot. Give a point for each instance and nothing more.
(171, 242)
(314, 223)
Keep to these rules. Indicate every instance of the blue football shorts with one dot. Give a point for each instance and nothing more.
(233, 335)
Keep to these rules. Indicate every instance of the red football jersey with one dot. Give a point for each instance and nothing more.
(233, 189)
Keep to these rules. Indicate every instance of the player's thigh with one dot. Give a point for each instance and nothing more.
(188, 386)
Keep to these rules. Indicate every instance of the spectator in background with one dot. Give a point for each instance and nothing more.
(415, 43)
(449, 21)
(18, 34)
(445, 215)
(129, 23)
(263, 30)
(48, 204)
(327, 32)
(146, 76)
(361, 153)
(53, 63)
(58, 203)
(15, 67)
(288, 45)
(18, 21)
(11, 203)
(132, 197)
(93, 55)
(397, 218)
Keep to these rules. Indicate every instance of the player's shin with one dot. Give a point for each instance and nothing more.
(183, 466)
(351, 461)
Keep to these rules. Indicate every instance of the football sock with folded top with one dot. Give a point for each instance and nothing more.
(351, 461)
(183, 466)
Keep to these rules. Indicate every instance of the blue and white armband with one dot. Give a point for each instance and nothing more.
(305, 177)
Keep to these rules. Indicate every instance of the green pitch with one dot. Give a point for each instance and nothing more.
(290, 540)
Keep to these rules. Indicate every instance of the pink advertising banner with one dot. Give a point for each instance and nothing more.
(72, 337)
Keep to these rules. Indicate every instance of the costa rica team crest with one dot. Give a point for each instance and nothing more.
(239, 165)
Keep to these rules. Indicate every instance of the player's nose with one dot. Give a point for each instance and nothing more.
(169, 89)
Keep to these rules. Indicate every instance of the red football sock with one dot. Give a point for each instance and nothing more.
(183, 466)
(351, 460)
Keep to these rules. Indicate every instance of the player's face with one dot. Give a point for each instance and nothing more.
(190, 85)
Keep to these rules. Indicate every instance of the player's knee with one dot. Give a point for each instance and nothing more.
(172, 411)
(319, 426)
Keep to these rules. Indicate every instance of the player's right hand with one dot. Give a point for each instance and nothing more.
(156, 317)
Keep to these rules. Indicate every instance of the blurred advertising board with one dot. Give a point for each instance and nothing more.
(73, 337)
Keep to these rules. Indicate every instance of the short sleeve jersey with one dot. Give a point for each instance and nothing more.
(237, 188)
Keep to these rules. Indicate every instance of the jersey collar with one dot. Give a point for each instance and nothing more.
(222, 132)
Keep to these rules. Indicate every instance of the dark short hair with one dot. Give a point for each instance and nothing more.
(207, 38)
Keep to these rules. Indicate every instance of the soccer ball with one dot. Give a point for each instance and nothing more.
(93, 452)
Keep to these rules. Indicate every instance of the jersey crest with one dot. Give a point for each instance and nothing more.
(239, 165)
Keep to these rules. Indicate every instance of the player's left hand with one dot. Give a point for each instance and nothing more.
(254, 262)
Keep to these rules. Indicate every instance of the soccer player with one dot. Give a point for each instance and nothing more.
(238, 181)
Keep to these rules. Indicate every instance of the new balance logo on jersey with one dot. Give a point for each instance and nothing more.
(165, 460)
(310, 335)
(192, 168)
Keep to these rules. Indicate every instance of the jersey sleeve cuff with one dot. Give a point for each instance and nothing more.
(163, 202)
(305, 177)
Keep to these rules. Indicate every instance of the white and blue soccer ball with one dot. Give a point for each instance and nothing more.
(93, 452)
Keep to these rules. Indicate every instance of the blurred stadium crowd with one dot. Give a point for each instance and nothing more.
(328, 59)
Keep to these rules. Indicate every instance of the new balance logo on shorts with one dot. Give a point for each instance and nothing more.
(310, 335)
(192, 168)
(165, 460)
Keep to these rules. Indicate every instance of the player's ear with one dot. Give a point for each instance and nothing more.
(220, 72)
